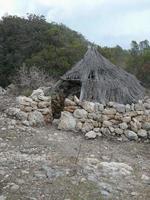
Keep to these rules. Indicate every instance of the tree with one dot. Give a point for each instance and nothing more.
(134, 48)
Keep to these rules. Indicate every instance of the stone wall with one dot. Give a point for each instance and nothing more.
(34, 110)
(93, 119)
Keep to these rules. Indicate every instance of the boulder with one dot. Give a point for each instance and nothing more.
(120, 107)
(79, 125)
(67, 121)
(142, 133)
(123, 126)
(44, 111)
(96, 130)
(146, 126)
(27, 109)
(99, 107)
(109, 111)
(36, 93)
(80, 113)
(107, 123)
(36, 118)
(91, 135)
(88, 106)
(139, 107)
(68, 102)
(135, 126)
(126, 119)
(44, 104)
(23, 100)
(146, 106)
(118, 131)
(87, 126)
(131, 135)
(116, 168)
(70, 108)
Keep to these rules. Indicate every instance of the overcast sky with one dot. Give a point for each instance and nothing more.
(105, 22)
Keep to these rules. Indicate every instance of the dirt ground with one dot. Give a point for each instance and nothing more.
(48, 164)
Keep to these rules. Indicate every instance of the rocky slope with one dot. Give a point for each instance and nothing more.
(50, 164)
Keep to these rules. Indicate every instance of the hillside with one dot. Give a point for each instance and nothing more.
(54, 48)
(34, 41)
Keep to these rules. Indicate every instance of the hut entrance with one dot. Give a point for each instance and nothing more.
(66, 89)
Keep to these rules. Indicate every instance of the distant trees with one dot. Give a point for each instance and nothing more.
(138, 62)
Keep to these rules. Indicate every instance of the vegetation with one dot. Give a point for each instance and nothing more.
(54, 48)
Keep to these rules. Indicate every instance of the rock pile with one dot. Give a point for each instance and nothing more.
(34, 110)
(113, 119)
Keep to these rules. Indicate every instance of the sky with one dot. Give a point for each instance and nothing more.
(104, 22)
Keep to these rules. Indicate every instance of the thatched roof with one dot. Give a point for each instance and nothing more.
(102, 81)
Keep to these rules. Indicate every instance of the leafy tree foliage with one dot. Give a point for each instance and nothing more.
(55, 48)
(34, 41)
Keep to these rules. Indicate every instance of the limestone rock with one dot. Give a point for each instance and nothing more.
(67, 121)
(126, 119)
(70, 108)
(131, 135)
(23, 100)
(123, 126)
(96, 130)
(118, 131)
(56, 122)
(142, 133)
(44, 111)
(87, 127)
(146, 126)
(92, 116)
(17, 113)
(36, 118)
(80, 113)
(43, 104)
(120, 108)
(27, 109)
(79, 125)
(139, 107)
(135, 126)
(68, 102)
(116, 168)
(107, 123)
(146, 106)
(91, 135)
(109, 111)
(36, 93)
(99, 107)
(88, 106)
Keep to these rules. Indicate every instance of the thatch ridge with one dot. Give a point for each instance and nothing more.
(102, 81)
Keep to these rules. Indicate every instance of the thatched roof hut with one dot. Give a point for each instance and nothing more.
(102, 81)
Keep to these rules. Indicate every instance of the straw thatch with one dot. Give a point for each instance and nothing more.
(102, 81)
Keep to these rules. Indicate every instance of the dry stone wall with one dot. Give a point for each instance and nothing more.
(34, 110)
(94, 119)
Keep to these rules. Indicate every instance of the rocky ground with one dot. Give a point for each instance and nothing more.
(48, 164)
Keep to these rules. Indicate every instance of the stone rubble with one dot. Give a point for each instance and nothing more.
(32, 111)
(113, 119)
